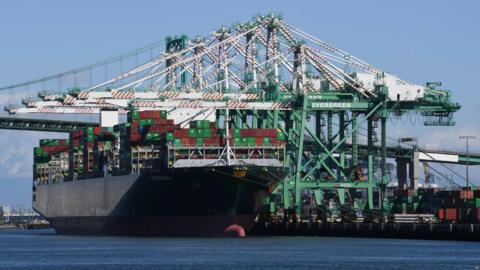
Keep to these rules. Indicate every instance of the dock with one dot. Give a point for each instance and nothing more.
(440, 231)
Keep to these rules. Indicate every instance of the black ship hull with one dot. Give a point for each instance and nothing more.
(200, 201)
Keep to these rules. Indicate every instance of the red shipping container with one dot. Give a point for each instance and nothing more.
(96, 130)
(252, 132)
(208, 142)
(76, 134)
(244, 133)
(466, 194)
(143, 114)
(149, 114)
(180, 133)
(163, 122)
(135, 137)
(257, 133)
(135, 134)
(259, 141)
(216, 141)
(441, 214)
(276, 142)
(213, 125)
(269, 132)
(160, 129)
(188, 141)
(51, 150)
(450, 214)
(478, 214)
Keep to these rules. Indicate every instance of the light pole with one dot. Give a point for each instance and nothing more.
(467, 138)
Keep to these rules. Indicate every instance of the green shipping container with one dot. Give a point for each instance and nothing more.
(145, 122)
(237, 141)
(221, 132)
(163, 114)
(197, 124)
(90, 138)
(199, 141)
(266, 141)
(205, 124)
(49, 142)
(89, 130)
(471, 203)
(38, 151)
(477, 202)
(204, 133)
(192, 133)
(252, 141)
(415, 205)
(42, 159)
(153, 136)
(170, 136)
(177, 142)
(135, 115)
(244, 141)
(280, 135)
(236, 133)
(202, 124)
(108, 144)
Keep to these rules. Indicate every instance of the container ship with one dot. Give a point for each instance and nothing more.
(152, 176)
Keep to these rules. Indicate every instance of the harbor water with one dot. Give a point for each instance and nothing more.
(44, 249)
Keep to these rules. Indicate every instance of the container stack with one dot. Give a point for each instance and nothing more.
(201, 133)
(89, 149)
(258, 137)
(146, 133)
(149, 126)
(460, 206)
(407, 201)
(123, 141)
(147, 136)
(76, 153)
(205, 133)
(51, 160)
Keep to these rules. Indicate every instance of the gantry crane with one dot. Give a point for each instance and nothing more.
(270, 74)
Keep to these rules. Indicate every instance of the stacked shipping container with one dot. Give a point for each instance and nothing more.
(458, 205)
(51, 160)
(146, 135)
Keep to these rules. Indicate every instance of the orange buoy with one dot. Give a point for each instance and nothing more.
(235, 230)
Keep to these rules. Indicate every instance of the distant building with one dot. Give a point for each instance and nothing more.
(19, 216)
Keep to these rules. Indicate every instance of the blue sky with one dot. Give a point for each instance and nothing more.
(418, 40)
